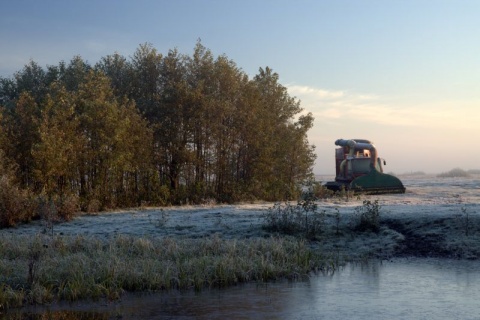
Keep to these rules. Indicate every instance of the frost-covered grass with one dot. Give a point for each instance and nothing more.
(102, 255)
(43, 269)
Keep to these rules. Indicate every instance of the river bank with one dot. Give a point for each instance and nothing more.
(434, 218)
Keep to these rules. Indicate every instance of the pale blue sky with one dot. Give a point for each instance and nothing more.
(404, 74)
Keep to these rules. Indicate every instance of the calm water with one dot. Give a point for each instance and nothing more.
(399, 289)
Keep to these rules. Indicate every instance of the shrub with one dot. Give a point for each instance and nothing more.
(320, 191)
(15, 204)
(47, 211)
(94, 205)
(345, 194)
(285, 218)
(299, 219)
(467, 222)
(454, 173)
(52, 209)
(67, 206)
(368, 216)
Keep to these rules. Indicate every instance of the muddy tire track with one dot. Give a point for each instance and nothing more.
(419, 245)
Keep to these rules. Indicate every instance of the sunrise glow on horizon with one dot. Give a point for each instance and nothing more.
(403, 74)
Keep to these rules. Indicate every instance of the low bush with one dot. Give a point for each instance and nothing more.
(301, 219)
(454, 173)
(367, 216)
(93, 206)
(67, 206)
(320, 191)
(15, 204)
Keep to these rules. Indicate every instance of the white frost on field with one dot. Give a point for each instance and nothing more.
(443, 210)
(185, 222)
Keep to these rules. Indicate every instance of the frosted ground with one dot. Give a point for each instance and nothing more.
(436, 217)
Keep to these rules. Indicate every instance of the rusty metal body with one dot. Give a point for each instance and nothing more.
(359, 168)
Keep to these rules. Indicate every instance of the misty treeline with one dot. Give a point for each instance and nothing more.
(150, 129)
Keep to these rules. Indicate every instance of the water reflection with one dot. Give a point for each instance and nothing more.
(398, 289)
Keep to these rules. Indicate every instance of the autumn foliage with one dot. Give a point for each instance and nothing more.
(152, 129)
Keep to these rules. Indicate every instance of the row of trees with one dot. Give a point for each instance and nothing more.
(157, 129)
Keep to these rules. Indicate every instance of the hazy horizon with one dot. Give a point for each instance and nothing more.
(403, 74)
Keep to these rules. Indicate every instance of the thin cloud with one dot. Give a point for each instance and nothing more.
(315, 93)
(360, 107)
